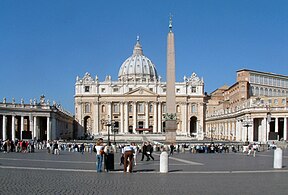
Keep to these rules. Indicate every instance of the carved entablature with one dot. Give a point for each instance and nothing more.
(193, 80)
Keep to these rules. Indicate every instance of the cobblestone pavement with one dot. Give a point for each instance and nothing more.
(73, 173)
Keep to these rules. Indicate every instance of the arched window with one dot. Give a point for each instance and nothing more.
(103, 109)
(256, 91)
(150, 108)
(261, 91)
(177, 108)
(274, 92)
(87, 108)
(270, 92)
(252, 91)
(193, 108)
(266, 92)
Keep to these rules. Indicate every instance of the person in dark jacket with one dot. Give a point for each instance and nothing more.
(144, 151)
(149, 151)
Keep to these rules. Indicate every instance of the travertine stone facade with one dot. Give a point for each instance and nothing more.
(252, 109)
(136, 102)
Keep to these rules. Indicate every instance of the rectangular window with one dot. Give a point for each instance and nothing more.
(193, 89)
(116, 108)
(283, 101)
(116, 89)
(103, 90)
(164, 90)
(252, 79)
(141, 108)
(87, 88)
(151, 89)
(130, 89)
(276, 101)
(177, 90)
(87, 108)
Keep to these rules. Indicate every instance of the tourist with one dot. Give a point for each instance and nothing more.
(56, 148)
(108, 157)
(144, 151)
(99, 155)
(82, 148)
(128, 157)
(149, 151)
(135, 148)
(254, 148)
(172, 149)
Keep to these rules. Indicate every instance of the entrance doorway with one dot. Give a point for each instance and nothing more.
(193, 125)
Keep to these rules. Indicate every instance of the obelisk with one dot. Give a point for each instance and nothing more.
(170, 116)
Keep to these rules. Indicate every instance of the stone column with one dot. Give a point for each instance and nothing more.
(54, 128)
(134, 116)
(184, 119)
(126, 113)
(35, 133)
(159, 117)
(48, 129)
(146, 115)
(237, 130)
(276, 124)
(13, 128)
(22, 127)
(96, 118)
(268, 131)
(122, 118)
(4, 133)
(111, 116)
(155, 126)
(264, 130)
(285, 129)
(31, 126)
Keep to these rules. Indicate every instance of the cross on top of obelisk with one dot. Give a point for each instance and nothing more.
(170, 22)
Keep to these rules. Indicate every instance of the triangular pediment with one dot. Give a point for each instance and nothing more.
(140, 91)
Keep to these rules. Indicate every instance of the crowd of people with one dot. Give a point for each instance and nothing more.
(129, 152)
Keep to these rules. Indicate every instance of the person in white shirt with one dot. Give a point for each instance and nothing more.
(135, 152)
(128, 155)
(99, 155)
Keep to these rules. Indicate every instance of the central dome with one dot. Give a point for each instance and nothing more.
(137, 67)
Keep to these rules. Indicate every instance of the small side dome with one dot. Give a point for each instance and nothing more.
(138, 67)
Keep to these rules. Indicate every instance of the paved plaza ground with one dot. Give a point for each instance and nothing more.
(74, 173)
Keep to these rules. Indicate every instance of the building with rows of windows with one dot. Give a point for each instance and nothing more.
(252, 109)
(136, 101)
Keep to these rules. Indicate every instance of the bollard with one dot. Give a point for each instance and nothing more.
(278, 158)
(164, 162)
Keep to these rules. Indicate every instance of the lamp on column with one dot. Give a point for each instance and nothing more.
(268, 122)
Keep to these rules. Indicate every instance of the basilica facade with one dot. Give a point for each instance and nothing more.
(135, 102)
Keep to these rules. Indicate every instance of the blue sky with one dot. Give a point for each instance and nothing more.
(45, 44)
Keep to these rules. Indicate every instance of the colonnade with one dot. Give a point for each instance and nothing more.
(258, 129)
(33, 125)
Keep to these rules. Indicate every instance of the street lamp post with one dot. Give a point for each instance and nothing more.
(108, 125)
(247, 125)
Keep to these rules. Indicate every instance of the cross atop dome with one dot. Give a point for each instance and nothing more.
(138, 48)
